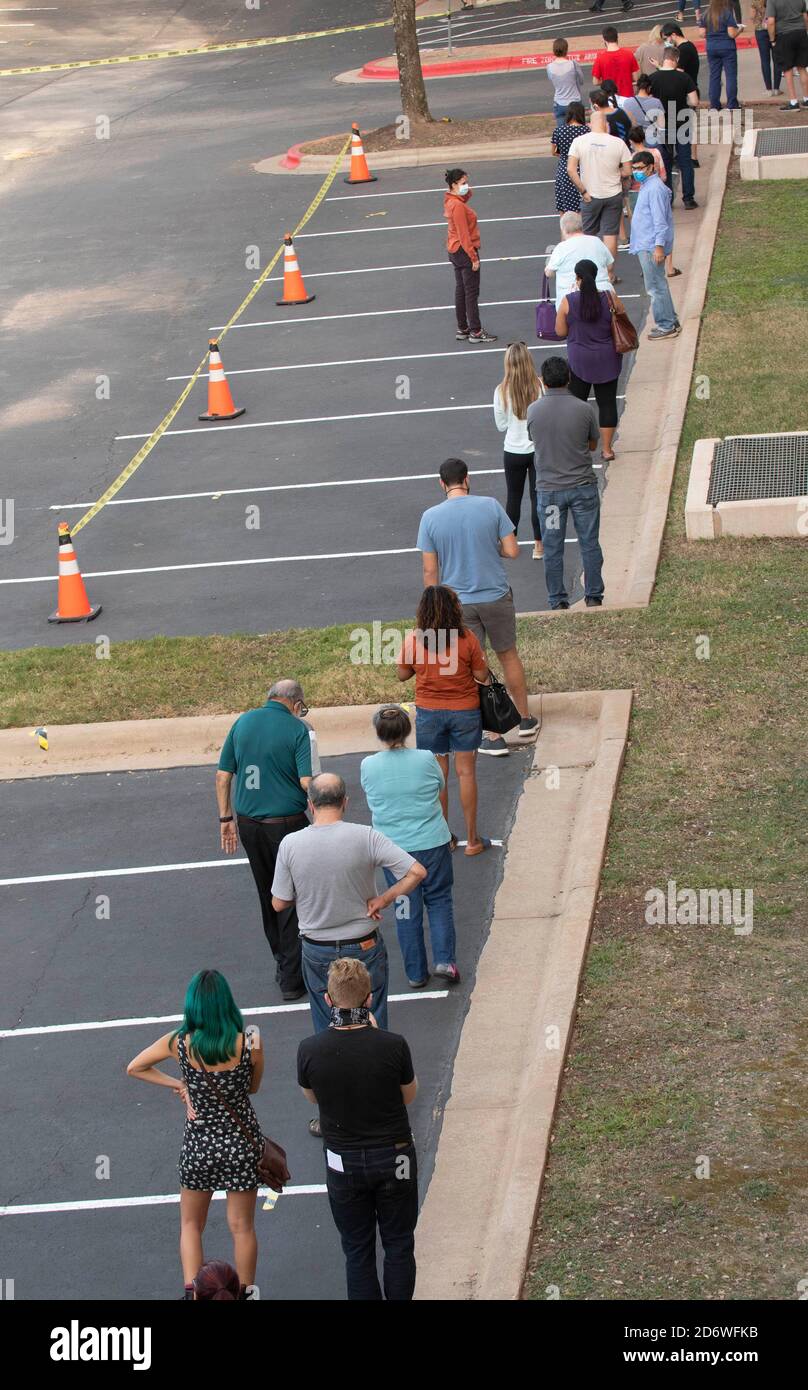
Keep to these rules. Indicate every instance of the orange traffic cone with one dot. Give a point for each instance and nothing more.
(220, 401)
(73, 603)
(294, 291)
(360, 172)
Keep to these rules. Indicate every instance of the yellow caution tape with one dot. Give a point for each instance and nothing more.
(189, 52)
(144, 451)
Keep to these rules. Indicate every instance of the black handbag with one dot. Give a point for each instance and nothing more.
(498, 711)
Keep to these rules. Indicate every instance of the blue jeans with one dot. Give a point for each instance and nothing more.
(436, 893)
(584, 503)
(722, 57)
(559, 111)
(769, 66)
(376, 1187)
(682, 151)
(317, 959)
(656, 283)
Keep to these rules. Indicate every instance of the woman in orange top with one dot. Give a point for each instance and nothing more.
(447, 662)
(463, 245)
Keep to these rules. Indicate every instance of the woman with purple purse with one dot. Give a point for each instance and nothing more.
(585, 319)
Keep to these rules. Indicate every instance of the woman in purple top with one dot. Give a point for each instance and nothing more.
(584, 318)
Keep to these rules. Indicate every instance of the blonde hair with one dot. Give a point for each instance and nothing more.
(655, 35)
(520, 385)
(348, 983)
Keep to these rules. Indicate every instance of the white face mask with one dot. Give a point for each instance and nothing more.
(462, 189)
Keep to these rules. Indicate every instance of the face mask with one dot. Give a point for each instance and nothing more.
(640, 177)
(462, 189)
(343, 1018)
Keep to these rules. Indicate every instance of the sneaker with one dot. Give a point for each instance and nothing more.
(594, 602)
(627, 5)
(461, 336)
(621, 246)
(696, 164)
(418, 984)
(597, 7)
(449, 973)
(483, 337)
(805, 101)
(563, 604)
(497, 747)
(665, 332)
(528, 727)
(690, 204)
(791, 106)
(292, 994)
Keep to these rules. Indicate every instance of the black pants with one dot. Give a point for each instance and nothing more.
(467, 292)
(377, 1187)
(518, 467)
(261, 840)
(605, 395)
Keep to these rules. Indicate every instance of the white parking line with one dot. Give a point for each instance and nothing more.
(418, 226)
(236, 564)
(416, 265)
(160, 1019)
(409, 192)
(460, 353)
(375, 313)
(122, 873)
(169, 1199)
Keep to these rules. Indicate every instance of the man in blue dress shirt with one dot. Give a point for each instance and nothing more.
(652, 241)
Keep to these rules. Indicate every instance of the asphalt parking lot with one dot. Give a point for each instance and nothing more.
(82, 993)
(352, 402)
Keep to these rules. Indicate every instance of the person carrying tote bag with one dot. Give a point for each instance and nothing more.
(585, 319)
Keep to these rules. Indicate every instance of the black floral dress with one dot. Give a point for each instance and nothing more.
(567, 197)
(216, 1154)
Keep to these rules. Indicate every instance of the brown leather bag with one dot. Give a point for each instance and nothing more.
(272, 1168)
(624, 334)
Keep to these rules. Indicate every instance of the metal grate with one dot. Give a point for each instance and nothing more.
(756, 466)
(787, 140)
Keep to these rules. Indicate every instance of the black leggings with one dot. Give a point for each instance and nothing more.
(467, 292)
(517, 468)
(605, 395)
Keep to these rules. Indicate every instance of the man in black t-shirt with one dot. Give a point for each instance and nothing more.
(362, 1079)
(688, 53)
(679, 96)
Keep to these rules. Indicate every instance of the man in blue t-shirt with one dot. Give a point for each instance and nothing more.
(268, 752)
(464, 541)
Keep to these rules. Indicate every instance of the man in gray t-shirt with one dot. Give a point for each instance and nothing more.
(786, 22)
(328, 871)
(564, 433)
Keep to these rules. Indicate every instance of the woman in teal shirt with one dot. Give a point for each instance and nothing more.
(403, 787)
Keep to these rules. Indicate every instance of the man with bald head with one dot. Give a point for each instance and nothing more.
(328, 872)
(268, 751)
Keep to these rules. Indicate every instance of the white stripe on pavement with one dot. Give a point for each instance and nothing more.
(122, 873)
(416, 265)
(168, 1199)
(377, 313)
(263, 1010)
(418, 226)
(235, 564)
(408, 192)
(459, 353)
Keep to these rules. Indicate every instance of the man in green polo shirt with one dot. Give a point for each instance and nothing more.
(268, 751)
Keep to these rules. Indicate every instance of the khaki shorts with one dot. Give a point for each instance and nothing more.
(495, 622)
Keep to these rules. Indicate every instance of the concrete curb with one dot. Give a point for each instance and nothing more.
(476, 1225)
(522, 147)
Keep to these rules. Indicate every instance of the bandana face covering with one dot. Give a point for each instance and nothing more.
(341, 1018)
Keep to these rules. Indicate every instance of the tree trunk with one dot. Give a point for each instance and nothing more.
(410, 77)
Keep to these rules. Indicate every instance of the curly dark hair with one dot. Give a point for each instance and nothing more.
(439, 611)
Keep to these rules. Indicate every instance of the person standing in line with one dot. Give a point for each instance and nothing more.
(269, 753)
(688, 64)
(403, 788)
(638, 145)
(463, 543)
(652, 242)
(519, 388)
(567, 79)
(362, 1079)
(564, 433)
(329, 871)
(463, 246)
(448, 664)
(615, 62)
(597, 164)
(573, 247)
(721, 28)
(618, 120)
(649, 54)
(680, 98)
(786, 21)
(646, 111)
(769, 66)
(585, 320)
(567, 196)
(221, 1065)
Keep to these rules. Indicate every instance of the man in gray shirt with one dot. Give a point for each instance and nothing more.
(786, 21)
(328, 871)
(564, 433)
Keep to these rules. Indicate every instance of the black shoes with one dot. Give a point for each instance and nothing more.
(594, 602)
(292, 994)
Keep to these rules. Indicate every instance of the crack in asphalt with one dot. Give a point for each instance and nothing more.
(70, 929)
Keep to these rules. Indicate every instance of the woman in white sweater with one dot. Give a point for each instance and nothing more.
(519, 388)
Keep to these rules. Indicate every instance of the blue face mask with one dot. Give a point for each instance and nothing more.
(640, 176)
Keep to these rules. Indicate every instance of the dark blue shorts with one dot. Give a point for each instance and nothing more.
(448, 730)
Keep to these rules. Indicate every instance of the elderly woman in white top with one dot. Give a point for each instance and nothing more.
(519, 388)
(575, 245)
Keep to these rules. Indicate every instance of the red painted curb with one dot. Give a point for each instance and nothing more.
(375, 71)
(292, 158)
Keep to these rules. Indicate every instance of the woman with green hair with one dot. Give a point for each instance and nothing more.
(221, 1066)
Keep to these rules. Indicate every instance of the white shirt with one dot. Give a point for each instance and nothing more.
(566, 255)
(517, 439)
(600, 157)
